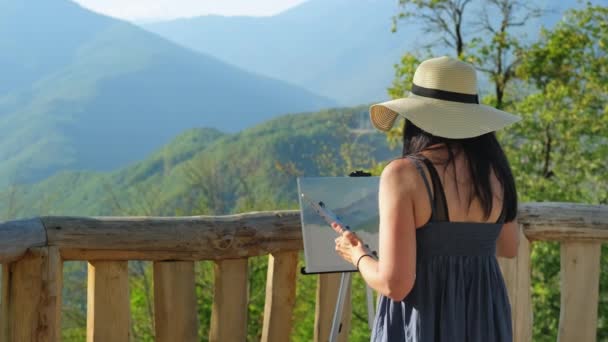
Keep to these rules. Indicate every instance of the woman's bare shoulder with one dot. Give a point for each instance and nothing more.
(399, 165)
(400, 173)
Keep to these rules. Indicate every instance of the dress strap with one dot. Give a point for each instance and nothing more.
(503, 214)
(440, 203)
(426, 183)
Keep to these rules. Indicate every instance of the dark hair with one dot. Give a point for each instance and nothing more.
(482, 153)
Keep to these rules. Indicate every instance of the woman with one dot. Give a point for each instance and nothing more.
(447, 209)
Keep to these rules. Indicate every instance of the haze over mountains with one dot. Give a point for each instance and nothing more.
(83, 91)
(343, 49)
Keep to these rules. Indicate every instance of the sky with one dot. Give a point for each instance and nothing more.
(151, 10)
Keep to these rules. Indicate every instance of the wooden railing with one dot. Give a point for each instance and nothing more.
(32, 252)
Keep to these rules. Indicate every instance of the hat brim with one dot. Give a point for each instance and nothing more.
(441, 118)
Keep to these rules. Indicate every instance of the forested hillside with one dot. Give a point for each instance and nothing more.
(204, 171)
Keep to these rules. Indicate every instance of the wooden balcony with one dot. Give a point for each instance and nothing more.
(32, 252)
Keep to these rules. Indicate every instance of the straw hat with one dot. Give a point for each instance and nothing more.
(444, 102)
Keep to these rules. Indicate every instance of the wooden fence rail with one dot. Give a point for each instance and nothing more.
(32, 252)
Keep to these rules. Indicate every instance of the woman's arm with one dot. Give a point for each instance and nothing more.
(394, 272)
(508, 240)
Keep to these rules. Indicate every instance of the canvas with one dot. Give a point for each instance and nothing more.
(354, 200)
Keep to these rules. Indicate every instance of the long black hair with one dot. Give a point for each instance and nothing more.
(482, 153)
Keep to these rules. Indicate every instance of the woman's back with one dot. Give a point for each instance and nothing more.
(456, 182)
(459, 293)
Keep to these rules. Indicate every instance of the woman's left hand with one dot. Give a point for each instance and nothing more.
(348, 244)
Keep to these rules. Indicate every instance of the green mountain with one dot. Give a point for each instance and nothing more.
(228, 172)
(81, 91)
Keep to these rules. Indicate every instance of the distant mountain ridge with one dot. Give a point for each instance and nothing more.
(342, 49)
(89, 92)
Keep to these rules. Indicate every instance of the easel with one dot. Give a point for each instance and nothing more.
(336, 325)
(346, 277)
(345, 280)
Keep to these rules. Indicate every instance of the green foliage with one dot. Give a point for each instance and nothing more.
(204, 279)
(562, 142)
(545, 290)
(141, 294)
(559, 150)
(74, 301)
(257, 296)
(304, 310)
(404, 75)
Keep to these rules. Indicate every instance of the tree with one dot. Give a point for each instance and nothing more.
(443, 17)
(210, 185)
(559, 152)
(562, 142)
(498, 56)
(142, 300)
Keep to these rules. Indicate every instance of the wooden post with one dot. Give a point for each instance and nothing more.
(4, 293)
(280, 296)
(18, 236)
(108, 307)
(517, 273)
(327, 295)
(175, 301)
(51, 293)
(31, 296)
(4, 300)
(229, 312)
(580, 272)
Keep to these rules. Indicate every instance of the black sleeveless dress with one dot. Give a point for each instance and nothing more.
(459, 293)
